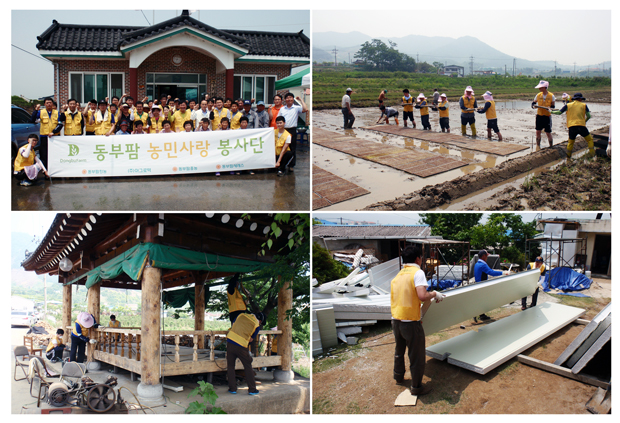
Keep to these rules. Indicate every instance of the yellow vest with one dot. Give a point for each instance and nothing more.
(576, 114)
(408, 106)
(234, 122)
(242, 330)
(491, 111)
(423, 110)
(281, 140)
(90, 127)
(533, 266)
(217, 117)
(48, 123)
(84, 330)
(50, 346)
(404, 297)
(114, 324)
(73, 126)
(546, 103)
(235, 301)
(156, 126)
(21, 161)
(468, 104)
(178, 119)
(104, 126)
(274, 345)
(142, 117)
(444, 113)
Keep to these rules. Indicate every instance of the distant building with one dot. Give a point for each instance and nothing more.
(449, 70)
(485, 72)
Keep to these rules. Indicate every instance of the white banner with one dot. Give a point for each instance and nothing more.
(161, 154)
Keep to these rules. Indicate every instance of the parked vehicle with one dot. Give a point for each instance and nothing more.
(20, 129)
(22, 318)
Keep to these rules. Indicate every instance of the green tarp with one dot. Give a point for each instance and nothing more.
(294, 80)
(132, 263)
(179, 297)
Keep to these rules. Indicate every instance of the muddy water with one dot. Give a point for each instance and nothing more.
(515, 120)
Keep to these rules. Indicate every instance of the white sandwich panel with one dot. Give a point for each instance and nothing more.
(466, 302)
(583, 335)
(381, 276)
(496, 343)
(327, 327)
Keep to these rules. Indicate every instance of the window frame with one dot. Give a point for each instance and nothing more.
(254, 76)
(109, 76)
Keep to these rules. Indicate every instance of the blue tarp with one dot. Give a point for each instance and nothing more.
(573, 294)
(442, 284)
(565, 279)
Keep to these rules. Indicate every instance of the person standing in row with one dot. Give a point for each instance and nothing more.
(71, 119)
(48, 117)
(408, 108)
(291, 113)
(543, 101)
(468, 104)
(262, 117)
(274, 110)
(577, 114)
(423, 106)
(444, 113)
(489, 109)
(219, 112)
(347, 113)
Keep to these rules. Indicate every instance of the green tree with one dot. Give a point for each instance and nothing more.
(377, 55)
(453, 226)
(324, 267)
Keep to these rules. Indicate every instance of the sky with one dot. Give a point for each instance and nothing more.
(581, 36)
(33, 76)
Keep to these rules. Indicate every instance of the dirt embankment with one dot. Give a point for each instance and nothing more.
(431, 197)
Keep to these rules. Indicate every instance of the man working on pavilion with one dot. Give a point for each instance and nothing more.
(79, 336)
(244, 330)
(236, 303)
(408, 291)
(482, 271)
(577, 114)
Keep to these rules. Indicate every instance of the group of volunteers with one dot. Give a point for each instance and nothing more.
(575, 107)
(123, 116)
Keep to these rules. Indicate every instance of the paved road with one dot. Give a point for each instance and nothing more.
(262, 191)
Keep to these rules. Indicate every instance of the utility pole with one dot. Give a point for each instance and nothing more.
(514, 66)
(574, 69)
(471, 65)
(417, 57)
(349, 57)
(335, 60)
(505, 71)
(555, 68)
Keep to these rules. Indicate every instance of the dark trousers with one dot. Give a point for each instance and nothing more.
(293, 146)
(21, 175)
(288, 157)
(534, 299)
(348, 118)
(425, 122)
(234, 352)
(90, 133)
(78, 350)
(55, 353)
(43, 149)
(409, 336)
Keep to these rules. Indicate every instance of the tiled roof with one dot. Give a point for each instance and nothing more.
(350, 231)
(106, 38)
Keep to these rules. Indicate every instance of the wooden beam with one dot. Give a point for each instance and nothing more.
(121, 235)
(199, 311)
(66, 308)
(118, 361)
(562, 371)
(219, 365)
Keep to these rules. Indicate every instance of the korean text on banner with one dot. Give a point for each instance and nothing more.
(161, 154)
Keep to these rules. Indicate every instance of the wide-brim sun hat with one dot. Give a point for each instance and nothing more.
(86, 319)
(578, 96)
(421, 95)
(542, 84)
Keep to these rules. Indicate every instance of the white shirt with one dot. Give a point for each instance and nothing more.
(198, 115)
(419, 279)
(346, 99)
(290, 115)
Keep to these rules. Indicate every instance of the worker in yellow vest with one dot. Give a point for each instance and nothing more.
(244, 329)
(115, 324)
(283, 142)
(55, 347)
(80, 336)
(48, 118)
(72, 119)
(219, 112)
(489, 110)
(157, 121)
(236, 302)
(444, 113)
(424, 117)
(104, 119)
(408, 291)
(468, 105)
(540, 265)
(180, 116)
(236, 115)
(27, 165)
(543, 101)
(142, 115)
(577, 114)
(89, 112)
(407, 104)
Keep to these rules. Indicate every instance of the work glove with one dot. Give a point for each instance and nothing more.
(439, 296)
(533, 104)
(84, 338)
(92, 341)
(555, 112)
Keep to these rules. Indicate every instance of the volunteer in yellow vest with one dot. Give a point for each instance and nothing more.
(543, 116)
(537, 264)
(140, 114)
(577, 114)
(283, 142)
(244, 329)
(179, 117)
(55, 347)
(407, 108)
(72, 119)
(88, 114)
(408, 291)
(48, 118)
(489, 109)
(444, 113)
(79, 336)
(157, 121)
(27, 165)
(114, 324)
(468, 104)
(104, 120)
(219, 112)
(423, 106)
(566, 98)
(235, 116)
(236, 303)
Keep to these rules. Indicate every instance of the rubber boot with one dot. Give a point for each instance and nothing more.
(396, 119)
(569, 148)
(464, 129)
(590, 145)
(473, 129)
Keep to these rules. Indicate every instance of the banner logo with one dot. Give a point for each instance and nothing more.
(74, 150)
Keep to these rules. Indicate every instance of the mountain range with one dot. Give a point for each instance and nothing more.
(449, 51)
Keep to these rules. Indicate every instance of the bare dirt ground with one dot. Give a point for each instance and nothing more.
(359, 379)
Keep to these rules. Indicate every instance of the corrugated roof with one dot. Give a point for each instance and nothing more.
(362, 231)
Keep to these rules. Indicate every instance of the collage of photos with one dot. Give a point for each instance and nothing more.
(352, 244)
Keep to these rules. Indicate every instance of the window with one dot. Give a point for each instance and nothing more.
(259, 87)
(19, 116)
(87, 86)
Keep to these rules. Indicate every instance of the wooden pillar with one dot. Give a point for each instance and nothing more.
(230, 83)
(94, 301)
(150, 387)
(199, 311)
(66, 309)
(285, 341)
